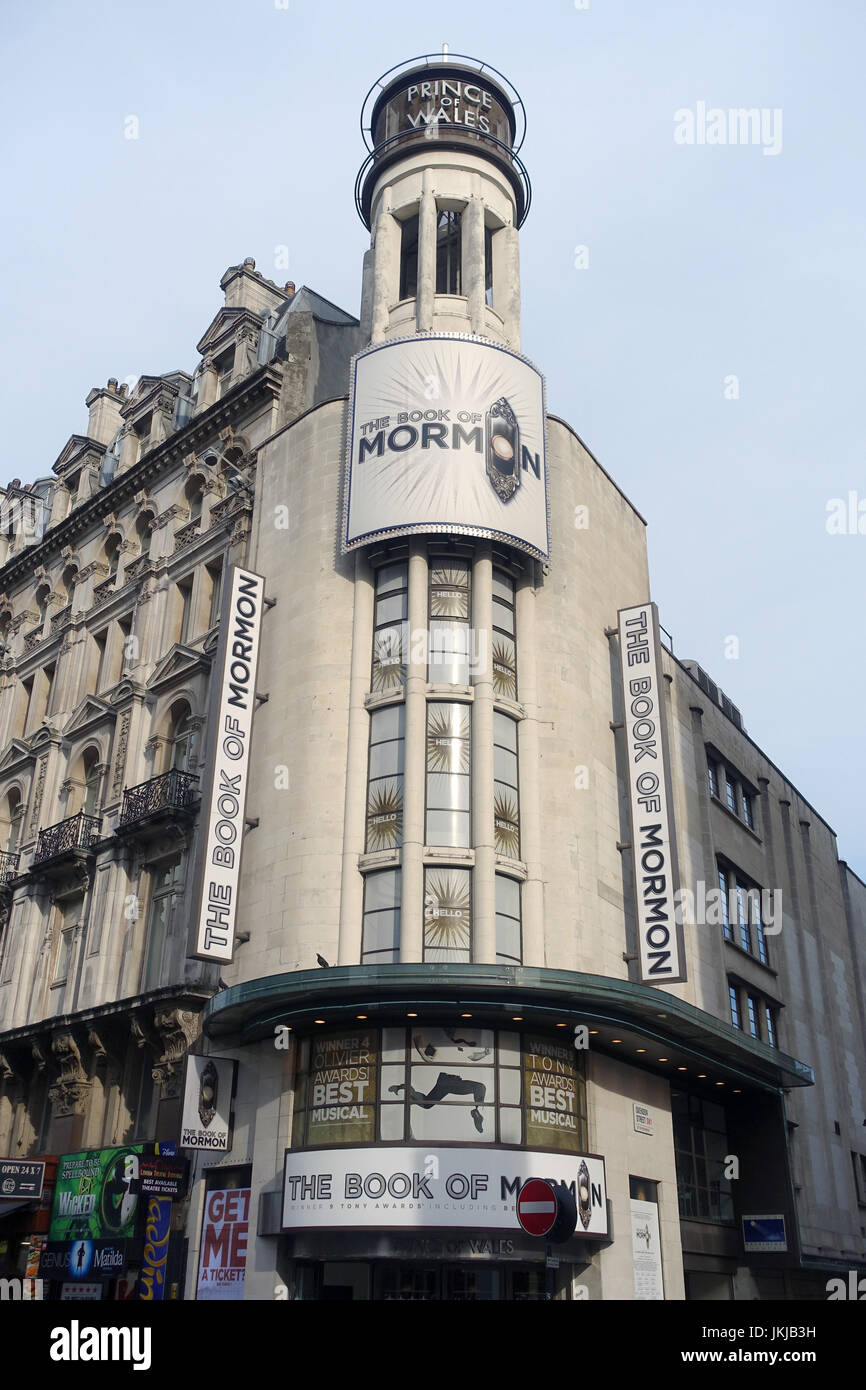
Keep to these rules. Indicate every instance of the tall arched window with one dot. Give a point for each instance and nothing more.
(194, 497)
(42, 594)
(67, 583)
(92, 780)
(144, 532)
(182, 737)
(15, 817)
(112, 555)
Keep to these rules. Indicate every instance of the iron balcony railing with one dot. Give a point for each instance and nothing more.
(171, 791)
(8, 867)
(77, 832)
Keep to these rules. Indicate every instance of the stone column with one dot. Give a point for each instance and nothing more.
(532, 907)
(473, 262)
(415, 763)
(354, 815)
(484, 887)
(386, 267)
(506, 282)
(426, 290)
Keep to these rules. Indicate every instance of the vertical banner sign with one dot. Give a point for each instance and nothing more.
(151, 1280)
(662, 954)
(223, 1257)
(227, 767)
(646, 1251)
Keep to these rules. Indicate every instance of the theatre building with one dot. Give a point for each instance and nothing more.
(409, 862)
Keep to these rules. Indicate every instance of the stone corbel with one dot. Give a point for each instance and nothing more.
(139, 1036)
(178, 1030)
(101, 1055)
(154, 744)
(7, 1071)
(70, 1092)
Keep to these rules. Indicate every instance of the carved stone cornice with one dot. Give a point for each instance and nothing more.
(170, 514)
(29, 615)
(96, 567)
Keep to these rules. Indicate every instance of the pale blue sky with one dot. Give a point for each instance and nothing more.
(704, 261)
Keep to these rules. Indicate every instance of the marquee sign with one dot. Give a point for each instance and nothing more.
(446, 434)
(227, 768)
(656, 880)
(328, 1189)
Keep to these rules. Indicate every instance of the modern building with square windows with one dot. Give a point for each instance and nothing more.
(514, 894)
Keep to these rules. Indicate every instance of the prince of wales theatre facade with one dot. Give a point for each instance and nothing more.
(519, 897)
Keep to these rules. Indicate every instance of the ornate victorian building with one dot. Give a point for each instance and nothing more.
(519, 897)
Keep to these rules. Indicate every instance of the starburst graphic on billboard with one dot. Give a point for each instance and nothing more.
(389, 668)
(447, 739)
(504, 669)
(447, 914)
(506, 827)
(385, 815)
(449, 592)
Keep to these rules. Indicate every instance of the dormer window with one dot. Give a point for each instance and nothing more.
(225, 368)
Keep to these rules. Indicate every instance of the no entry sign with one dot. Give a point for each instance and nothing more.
(537, 1207)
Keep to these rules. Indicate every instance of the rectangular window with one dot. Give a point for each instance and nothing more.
(743, 919)
(748, 817)
(127, 655)
(700, 1146)
(100, 641)
(49, 674)
(69, 915)
(508, 936)
(215, 579)
(385, 778)
(381, 936)
(859, 1164)
(448, 787)
(712, 780)
(488, 266)
(449, 272)
(726, 915)
(447, 914)
(63, 953)
(504, 644)
(390, 636)
(226, 371)
(449, 622)
(755, 901)
(735, 1006)
(409, 258)
(752, 1013)
(506, 800)
(731, 794)
(166, 888)
(185, 592)
(770, 1021)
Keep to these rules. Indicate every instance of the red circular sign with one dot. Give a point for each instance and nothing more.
(537, 1207)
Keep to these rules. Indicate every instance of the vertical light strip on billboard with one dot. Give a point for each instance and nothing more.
(660, 942)
(227, 768)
